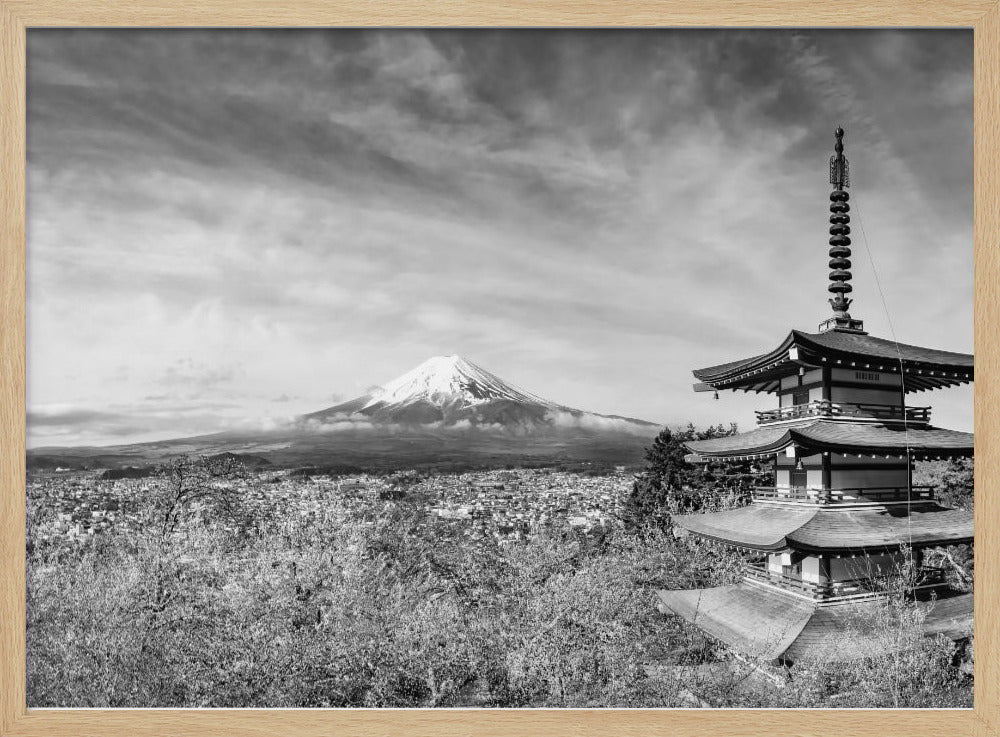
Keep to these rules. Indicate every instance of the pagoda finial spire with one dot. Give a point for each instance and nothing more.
(840, 243)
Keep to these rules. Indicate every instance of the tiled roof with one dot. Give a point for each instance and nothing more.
(766, 439)
(869, 346)
(951, 617)
(748, 618)
(812, 528)
(757, 527)
(925, 368)
(855, 529)
(768, 624)
(839, 436)
(847, 631)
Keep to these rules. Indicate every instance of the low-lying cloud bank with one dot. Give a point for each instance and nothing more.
(586, 421)
(65, 424)
(554, 420)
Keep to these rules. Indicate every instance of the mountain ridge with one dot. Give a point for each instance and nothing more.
(452, 390)
(445, 410)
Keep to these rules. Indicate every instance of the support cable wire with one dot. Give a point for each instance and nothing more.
(902, 374)
(906, 433)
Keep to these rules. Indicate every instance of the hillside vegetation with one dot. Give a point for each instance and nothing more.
(208, 588)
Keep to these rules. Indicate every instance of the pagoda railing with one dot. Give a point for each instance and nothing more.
(925, 577)
(826, 408)
(843, 496)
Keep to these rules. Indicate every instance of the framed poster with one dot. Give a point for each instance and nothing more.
(347, 369)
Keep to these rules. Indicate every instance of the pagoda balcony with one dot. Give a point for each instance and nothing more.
(843, 496)
(855, 588)
(841, 410)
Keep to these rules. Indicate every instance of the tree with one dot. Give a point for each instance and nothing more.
(671, 485)
(952, 480)
(215, 485)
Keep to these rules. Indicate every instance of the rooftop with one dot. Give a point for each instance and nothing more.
(846, 436)
(923, 368)
(768, 527)
(762, 623)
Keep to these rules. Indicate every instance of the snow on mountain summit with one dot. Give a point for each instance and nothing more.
(449, 391)
(445, 380)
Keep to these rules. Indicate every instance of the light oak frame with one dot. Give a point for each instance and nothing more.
(18, 15)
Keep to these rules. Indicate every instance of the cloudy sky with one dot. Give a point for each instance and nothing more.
(232, 227)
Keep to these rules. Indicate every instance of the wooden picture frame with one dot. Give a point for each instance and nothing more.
(16, 16)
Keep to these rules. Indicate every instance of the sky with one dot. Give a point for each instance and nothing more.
(228, 228)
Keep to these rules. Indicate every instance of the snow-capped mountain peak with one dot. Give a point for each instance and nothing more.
(451, 392)
(446, 380)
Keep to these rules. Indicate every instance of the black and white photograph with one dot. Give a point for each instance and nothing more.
(499, 368)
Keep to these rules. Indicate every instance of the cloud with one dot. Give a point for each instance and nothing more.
(188, 373)
(587, 421)
(58, 417)
(340, 423)
(240, 215)
(65, 425)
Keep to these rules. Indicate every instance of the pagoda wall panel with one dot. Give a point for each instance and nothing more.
(814, 476)
(811, 381)
(862, 376)
(812, 570)
(787, 398)
(846, 478)
(865, 566)
(864, 395)
(774, 563)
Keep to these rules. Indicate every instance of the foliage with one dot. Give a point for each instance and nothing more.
(953, 486)
(670, 485)
(900, 667)
(213, 599)
(952, 480)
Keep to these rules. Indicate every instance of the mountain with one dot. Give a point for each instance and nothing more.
(449, 392)
(447, 412)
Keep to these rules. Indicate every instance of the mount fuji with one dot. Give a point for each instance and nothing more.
(451, 392)
(445, 413)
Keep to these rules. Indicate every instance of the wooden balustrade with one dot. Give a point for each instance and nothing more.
(843, 496)
(826, 408)
(925, 577)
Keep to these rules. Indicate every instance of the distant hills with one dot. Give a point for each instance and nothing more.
(446, 412)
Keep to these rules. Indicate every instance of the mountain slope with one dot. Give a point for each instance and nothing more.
(450, 391)
(447, 412)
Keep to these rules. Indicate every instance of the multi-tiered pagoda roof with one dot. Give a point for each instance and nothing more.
(843, 518)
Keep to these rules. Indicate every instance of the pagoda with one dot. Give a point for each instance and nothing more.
(842, 521)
